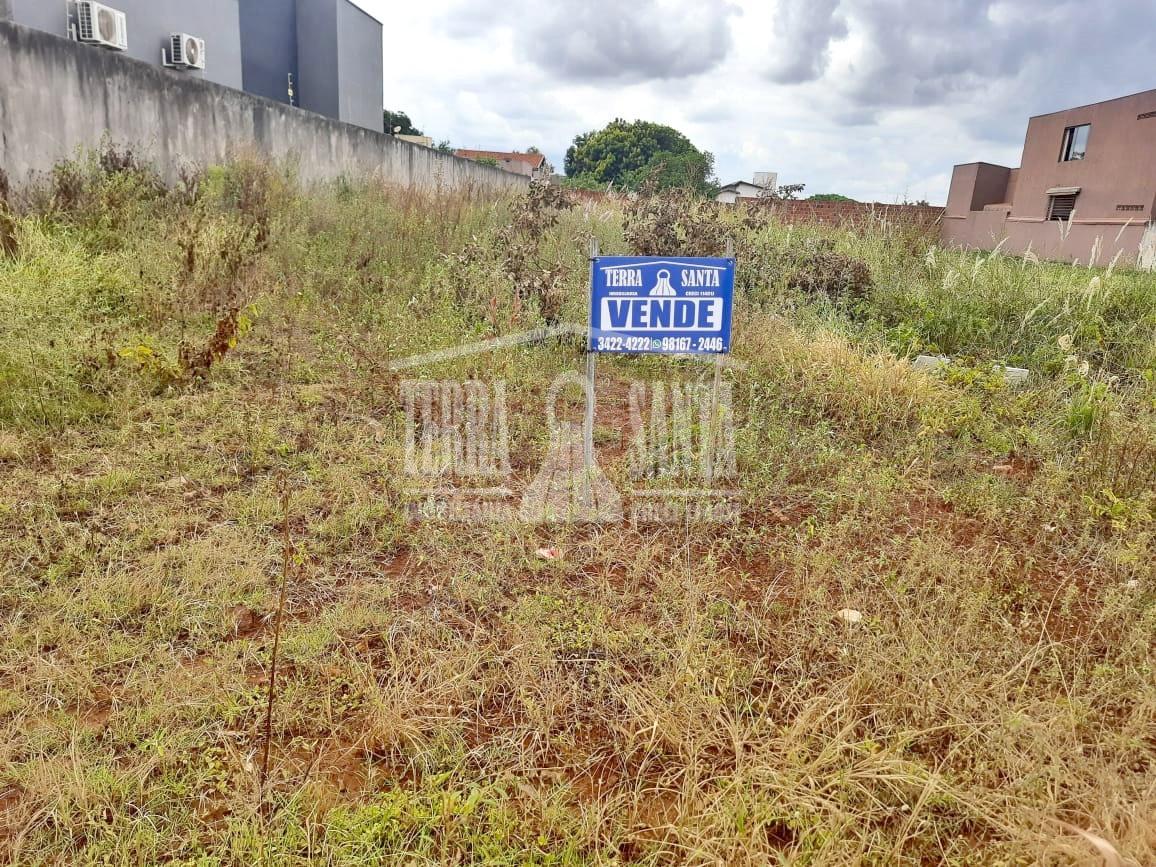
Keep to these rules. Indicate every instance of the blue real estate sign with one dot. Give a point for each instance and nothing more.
(661, 305)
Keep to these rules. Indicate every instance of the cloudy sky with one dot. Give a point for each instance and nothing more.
(875, 99)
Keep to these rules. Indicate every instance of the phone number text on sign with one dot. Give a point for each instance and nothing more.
(661, 305)
(615, 343)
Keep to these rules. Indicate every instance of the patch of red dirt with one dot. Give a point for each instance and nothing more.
(247, 623)
(1015, 467)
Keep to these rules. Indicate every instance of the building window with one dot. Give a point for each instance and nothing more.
(1061, 207)
(1075, 143)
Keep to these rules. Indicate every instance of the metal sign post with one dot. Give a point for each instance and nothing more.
(716, 386)
(591, 359)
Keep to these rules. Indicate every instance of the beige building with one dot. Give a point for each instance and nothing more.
(424, 140)
(1085, 189)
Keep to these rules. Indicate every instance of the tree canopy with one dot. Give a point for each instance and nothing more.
(631, 154)
(829, 197)
(399, 122)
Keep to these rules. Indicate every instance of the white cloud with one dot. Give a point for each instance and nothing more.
(869, 98)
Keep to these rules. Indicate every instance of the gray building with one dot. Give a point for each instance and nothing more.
(330, 50)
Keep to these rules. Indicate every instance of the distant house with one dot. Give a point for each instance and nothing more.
(764, 183)
(731, 193)
(1085, 188)
(532, 165)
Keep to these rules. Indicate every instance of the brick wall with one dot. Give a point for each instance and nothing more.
(843, 213)
(822, 213)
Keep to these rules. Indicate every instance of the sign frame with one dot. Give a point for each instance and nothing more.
(661, 305)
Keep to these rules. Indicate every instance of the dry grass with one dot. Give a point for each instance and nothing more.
(656, 695)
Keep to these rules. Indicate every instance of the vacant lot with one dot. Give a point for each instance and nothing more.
(189, 373)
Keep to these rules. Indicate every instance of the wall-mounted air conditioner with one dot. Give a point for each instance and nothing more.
(184, 52)
(101, 25)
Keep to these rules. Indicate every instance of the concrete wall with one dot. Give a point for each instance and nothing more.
(1084, 242)
(151, 23)
(360, 68)
(177, 120)
(974, 186)
(331, 47)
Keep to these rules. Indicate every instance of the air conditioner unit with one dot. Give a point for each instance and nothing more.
(101, 25)
(184, 52)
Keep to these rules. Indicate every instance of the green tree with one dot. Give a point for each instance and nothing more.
(785, 192)
(828, 197)
(631, 154)
(398, 122)
(582, 182)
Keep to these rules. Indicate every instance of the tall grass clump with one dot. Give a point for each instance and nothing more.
(925, 638)
(57, 304)
(1013, 309)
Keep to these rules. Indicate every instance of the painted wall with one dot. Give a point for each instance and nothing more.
(48, 15)
(317, 59)
(269, 37)
(991, 186)
(1119, 169)
(1085, 243)
(974, 186)
(974, 221)
(961, 190)
(360, 68)
(1117, 183)
(176, 120)
(151, 23)
(332, 49)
